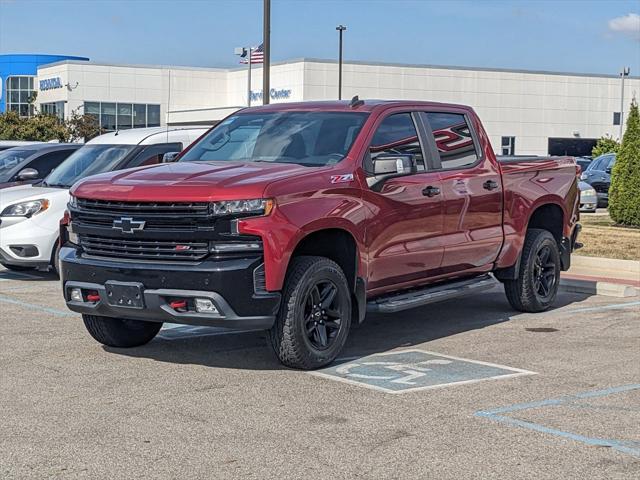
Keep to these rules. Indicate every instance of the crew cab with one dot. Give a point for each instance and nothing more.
(299, 218)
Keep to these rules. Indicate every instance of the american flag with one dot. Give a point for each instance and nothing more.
(257, 55)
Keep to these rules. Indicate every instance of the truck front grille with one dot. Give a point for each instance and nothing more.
(143, 249)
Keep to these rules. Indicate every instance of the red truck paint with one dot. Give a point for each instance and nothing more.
(359, 234)
(400, 244)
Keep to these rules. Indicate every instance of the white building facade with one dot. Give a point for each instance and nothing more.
(524, 112)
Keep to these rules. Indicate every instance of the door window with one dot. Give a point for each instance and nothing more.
(49, 161)
(453, 139)
(153, 154)
(397, 134)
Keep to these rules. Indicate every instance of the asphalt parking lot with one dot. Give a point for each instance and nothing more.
(461, 389)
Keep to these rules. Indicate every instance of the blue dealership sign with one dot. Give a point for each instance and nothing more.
(50, 83)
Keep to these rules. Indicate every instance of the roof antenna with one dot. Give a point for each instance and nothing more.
(356, 102)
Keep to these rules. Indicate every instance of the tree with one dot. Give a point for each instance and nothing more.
(606, 144)
(40, 128)
(83, 127)
(624, 194)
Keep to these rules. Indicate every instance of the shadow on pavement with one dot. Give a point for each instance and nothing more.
(30, 275)
(379, 333)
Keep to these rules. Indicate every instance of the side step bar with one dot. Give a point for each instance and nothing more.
(397, 302)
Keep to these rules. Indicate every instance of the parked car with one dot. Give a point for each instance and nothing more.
(30, 215)
(588, 197)
(30, 164)
(5, 144)
(598, 175)
(301, 217)
(583, 162)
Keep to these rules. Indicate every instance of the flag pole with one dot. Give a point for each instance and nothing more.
(249, 80)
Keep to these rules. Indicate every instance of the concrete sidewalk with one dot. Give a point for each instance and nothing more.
(604, 276)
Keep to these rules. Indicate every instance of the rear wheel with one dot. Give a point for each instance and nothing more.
(315, 316)
(120, 332)
(536, 287)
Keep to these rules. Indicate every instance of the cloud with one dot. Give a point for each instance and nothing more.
(627, 25)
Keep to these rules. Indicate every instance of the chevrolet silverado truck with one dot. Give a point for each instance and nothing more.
(300, 218)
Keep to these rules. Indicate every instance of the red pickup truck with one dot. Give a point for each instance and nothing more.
(299, 218)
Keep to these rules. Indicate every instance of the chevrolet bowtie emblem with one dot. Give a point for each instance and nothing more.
(128, 225)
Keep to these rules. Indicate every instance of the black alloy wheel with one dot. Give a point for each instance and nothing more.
(322, 318)
(544, 272)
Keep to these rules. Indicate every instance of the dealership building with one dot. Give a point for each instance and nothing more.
(524, 112)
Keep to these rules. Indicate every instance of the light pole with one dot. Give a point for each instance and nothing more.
(266, 46)
(624, 73)
(340, 29)
(243, 52)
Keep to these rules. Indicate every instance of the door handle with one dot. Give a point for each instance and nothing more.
(490, 185)
(431, 191)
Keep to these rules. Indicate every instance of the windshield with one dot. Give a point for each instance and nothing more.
(312, 138)
(11, 158)
(88, 160)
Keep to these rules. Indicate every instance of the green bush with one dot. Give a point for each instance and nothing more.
(624, 194)
(606, 144)
(40, 128)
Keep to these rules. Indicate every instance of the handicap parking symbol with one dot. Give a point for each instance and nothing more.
(410, 370)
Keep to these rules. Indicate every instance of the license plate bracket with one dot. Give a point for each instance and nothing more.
(124, 294)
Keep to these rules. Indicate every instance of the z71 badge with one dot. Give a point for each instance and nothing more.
(347, 177)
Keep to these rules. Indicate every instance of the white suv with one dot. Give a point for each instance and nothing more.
(30, 215)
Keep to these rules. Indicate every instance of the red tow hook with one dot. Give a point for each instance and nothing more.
(93, 297)
(177, 304)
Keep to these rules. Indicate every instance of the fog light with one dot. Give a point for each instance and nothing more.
(76, 295)
(204, 305)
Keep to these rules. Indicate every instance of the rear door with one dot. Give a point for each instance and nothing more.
(403, 237)
(472, 193)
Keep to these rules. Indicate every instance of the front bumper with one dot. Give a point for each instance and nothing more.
(229, 284)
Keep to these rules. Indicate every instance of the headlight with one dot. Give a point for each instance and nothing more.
(258, 206)
(73, 201)
(583, 176)
(25, 209)
(590, 191)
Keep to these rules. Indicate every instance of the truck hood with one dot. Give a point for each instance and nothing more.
(187, 181)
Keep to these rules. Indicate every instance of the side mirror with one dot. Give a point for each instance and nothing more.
(28, 174)
(391, 166)
(170, 157)
(394, 165)
(608, 170)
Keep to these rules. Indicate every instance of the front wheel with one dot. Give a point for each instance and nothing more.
(120, 332)
(536, 287)
(315, 315)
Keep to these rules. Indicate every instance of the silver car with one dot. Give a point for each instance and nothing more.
(588, 197)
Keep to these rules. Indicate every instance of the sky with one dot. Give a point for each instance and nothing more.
(556, 35)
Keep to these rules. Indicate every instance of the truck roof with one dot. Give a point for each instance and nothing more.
(345, 105)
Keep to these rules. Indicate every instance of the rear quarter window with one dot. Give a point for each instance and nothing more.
(453, 139)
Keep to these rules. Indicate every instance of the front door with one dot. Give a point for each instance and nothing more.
(404, 235)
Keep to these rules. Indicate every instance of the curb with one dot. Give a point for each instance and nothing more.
(598, 263)
(595, 287)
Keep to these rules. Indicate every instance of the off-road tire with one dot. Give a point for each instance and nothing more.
(120, 332)
(521, 292)
(288, 337)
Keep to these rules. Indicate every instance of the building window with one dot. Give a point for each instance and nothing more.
(616, 118)
(122, 116)
(21, 95)
(508, 145)
(53, 108)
